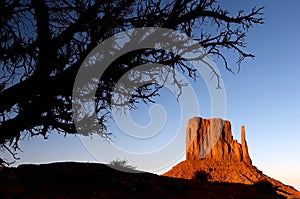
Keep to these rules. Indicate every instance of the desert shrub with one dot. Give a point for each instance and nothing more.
(122, 165)
(264, 186)
(201, 175)
(211, 169)
(260, 172)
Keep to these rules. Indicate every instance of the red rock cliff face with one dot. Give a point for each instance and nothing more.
(211, 148)
(212, 139)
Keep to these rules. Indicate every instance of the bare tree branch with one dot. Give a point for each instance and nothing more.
(44, 42)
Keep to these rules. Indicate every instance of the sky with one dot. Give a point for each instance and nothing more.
(264, 97)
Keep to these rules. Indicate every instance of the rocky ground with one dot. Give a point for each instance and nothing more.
(222, 171)
(89, 180)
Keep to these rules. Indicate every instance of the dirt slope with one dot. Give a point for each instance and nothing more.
(89, 180)
(231, 172)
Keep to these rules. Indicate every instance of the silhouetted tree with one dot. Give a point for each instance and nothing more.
(44, 42)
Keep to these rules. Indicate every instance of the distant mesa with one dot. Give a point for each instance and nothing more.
(210, 148)
(203, 134)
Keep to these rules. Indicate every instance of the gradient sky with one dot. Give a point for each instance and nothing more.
(264, 97)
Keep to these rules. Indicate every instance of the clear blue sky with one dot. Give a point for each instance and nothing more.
(264, 97)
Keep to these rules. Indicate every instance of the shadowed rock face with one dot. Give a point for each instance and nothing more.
(212, 139)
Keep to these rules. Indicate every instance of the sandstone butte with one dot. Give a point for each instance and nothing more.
(210, 148)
